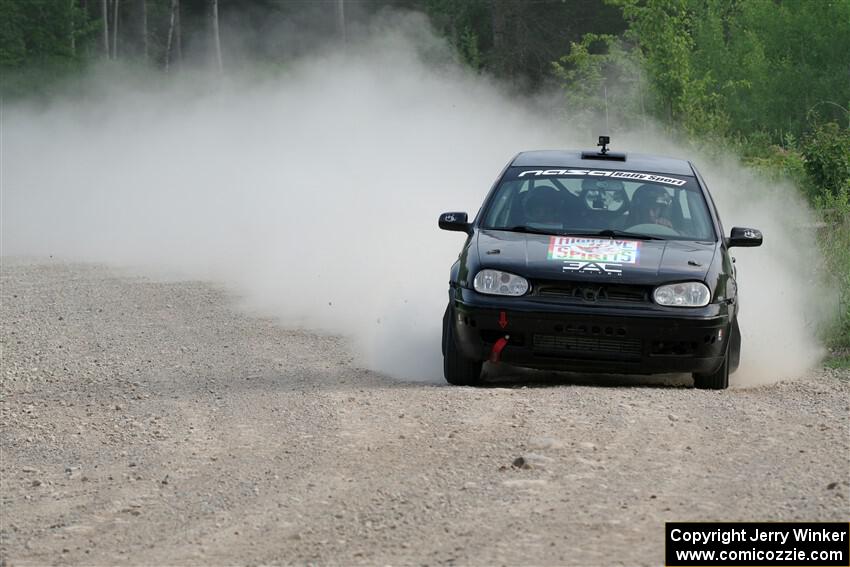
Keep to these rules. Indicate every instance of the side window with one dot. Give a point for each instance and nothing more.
(701, 222)
(506, 201)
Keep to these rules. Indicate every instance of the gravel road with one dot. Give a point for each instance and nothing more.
(153, 423)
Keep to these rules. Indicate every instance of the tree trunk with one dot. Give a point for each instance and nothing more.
(216, 37)
(498, 21)
(170, 39)
(640, 94)
(115, 29)
(145, 27)
(104, 14)
(173, 28)
(340, 19)
(71, 22)
(178, 31)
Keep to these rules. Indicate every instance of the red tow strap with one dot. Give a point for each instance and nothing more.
(498, 347)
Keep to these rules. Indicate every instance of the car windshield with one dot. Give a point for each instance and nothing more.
(600, 202)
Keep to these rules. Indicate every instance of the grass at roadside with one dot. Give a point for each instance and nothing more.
(835, 243)
(838, 361)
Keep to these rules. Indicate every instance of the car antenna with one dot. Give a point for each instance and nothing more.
(604, 141)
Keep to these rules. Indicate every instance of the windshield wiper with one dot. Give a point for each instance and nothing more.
(612, 233)
(607, 232)
(530, 230)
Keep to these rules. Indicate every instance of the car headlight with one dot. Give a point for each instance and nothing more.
(685, 294)
(494, 282)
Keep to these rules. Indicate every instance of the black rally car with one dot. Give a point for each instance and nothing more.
(595, 262)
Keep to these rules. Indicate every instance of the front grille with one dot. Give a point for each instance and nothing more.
(588, 347)
(592, 293)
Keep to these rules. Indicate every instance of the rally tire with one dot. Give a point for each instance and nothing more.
(457, 369)
(734, 347)
(719, 379)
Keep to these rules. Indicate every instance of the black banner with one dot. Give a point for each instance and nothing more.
(762, 544)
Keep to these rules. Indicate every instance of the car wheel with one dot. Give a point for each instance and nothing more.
(457, 369)
(734, 347)
(719, 379)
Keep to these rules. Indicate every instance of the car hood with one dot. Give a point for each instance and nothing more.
(625, 260)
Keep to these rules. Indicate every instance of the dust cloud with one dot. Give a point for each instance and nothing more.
(784, 297)
(313, 195)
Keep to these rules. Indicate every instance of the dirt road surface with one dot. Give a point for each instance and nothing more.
(152, 423)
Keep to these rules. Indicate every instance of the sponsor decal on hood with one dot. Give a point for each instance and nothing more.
(593, 255)
(593, 249)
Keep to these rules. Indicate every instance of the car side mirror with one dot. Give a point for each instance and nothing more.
(744, 237)
(454, 221)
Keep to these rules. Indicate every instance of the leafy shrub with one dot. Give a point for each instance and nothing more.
(835, 242)
(777, 162)
(827, 153)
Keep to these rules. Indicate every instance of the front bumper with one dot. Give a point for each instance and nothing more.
(647, 340)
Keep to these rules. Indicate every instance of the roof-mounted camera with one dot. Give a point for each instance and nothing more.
(604, 153)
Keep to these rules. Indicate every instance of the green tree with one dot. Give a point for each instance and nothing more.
(659, 29)
(601, 78)
(36, 31)
(741, 66)
(41, 40)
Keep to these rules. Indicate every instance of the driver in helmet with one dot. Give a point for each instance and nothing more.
(650, 205)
